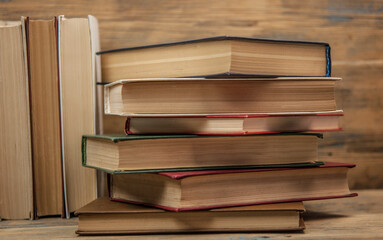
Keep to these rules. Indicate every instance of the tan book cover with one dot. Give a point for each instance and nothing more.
(78, 103)
(16, 196)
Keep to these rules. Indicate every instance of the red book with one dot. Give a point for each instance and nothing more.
(217, 124)
(193, 190)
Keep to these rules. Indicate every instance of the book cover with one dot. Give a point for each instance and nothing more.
(118, 138)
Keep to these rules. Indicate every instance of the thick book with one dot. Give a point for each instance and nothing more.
(133, 153)
(193, 190)
(214, 96)
(76, 38)
(104, 217)
(218, 56)
(216, 124)
(45, 116)
(16, 194)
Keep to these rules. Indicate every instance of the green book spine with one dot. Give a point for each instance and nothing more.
(115, 139)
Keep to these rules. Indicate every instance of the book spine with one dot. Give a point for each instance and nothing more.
(127, 126)
(328, 58)
(83, 150)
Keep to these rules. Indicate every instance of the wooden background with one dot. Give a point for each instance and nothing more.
(353, 28)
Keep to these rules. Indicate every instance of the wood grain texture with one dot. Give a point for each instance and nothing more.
(348, 218)
(353, 29)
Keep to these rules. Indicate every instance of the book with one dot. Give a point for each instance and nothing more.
(216, 96)
(45, 116)
(194, 190)
(218, 56)
(16, 190)
(78, 105)
(132, 153)
(108, 124)
(106, 217)
(216, 124)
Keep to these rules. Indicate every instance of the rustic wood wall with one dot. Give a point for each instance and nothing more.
(354, 29)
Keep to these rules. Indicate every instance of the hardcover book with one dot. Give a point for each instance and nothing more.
(76, 38)
(106, 217)
(194, 190)
(45, 116)
(16, 189)
(216, 124)
(219, 95)
(116, 154)
(218, 56)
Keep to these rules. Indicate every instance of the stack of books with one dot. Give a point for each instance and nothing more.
(221, 135)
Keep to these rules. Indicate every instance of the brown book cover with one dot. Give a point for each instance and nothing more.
(103, 216)
(45, 116)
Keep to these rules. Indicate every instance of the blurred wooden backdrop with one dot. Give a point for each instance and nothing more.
(354, 29)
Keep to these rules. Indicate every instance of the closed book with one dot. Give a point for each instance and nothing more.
(16, 189)
(103, 217)
(194, 190)
(77, 78)
(45, 116)
(220, 95)
(133, 153)
(216, 124)
(218, 56)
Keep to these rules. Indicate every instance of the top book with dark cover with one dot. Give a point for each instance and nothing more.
(218, 56)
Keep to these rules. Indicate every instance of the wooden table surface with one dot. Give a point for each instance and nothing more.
(349, 218)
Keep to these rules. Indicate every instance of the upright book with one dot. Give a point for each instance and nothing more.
(118, 154)
(106, 217)
(215, 96)
(193, 190)
(45, 116)
(218, 56)
(16, 195)
(78, 104)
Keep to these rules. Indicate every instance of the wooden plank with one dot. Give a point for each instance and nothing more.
(361, 141)
(353, 28)
(349, 218)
